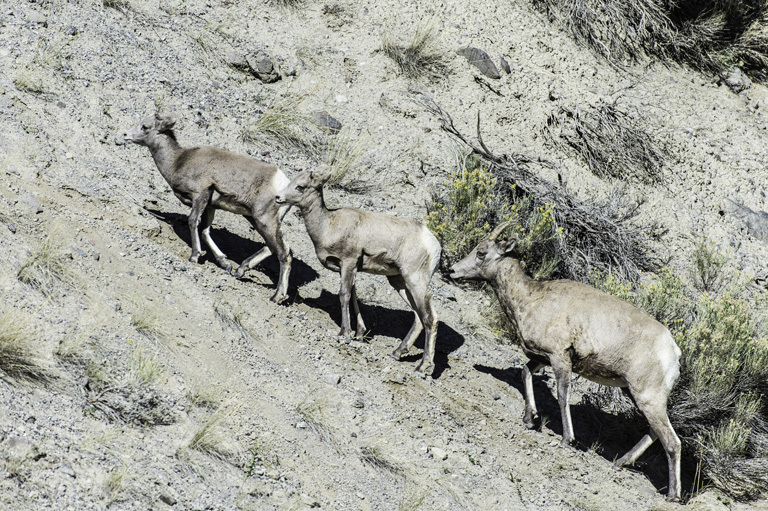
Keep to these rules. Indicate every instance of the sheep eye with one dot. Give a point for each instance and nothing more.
(300, 188)
(481, 255)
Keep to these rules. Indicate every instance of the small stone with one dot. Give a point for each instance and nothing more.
(262, 66)
(496, 396)
(333, 379)
(79, 251)
(505, 65)
(737, 81)
(327, 121)
(37, 18)
(12, 227)
(446, 293)
(237, 60)
(481, 60)
(71, 30)
(301, 425)
(359, 403)
(167, 497)
(438, 453)
(29, 203)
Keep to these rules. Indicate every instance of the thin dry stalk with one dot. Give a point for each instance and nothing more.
(596, 234)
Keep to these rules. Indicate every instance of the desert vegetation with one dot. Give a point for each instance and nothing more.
(712, 36)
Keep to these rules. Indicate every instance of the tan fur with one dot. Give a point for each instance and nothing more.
(207, 179)
(577, 328)
(350, 240)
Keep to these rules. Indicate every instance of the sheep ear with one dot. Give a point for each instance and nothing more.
(318, 178)
(164, 122)
(506, 247)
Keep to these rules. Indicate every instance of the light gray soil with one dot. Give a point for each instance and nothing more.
(301, 418)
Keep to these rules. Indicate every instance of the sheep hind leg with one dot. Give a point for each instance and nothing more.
(655, 411)
(398, 283)
(206, 222)
(360, 328)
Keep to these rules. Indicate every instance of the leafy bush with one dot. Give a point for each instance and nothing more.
(472, 206)
(717, 407)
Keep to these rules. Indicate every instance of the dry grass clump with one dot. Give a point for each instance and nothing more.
(44, 269)
(212, 437)
(613, 141)
(420, 57)
(710, 35)
(134, 398)
(19, 359)
(373, 456)
(284, 123)
(341, 154)
(718, 407)
(595, 234)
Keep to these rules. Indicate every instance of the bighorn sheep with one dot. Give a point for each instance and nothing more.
(575, 327)
(208, 179)
(350, 240)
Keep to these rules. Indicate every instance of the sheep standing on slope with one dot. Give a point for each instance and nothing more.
(208, 179)
(349, 240)
(574, 327)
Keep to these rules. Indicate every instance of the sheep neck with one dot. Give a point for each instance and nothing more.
(315, 214)
(512, 287)
(164, 149)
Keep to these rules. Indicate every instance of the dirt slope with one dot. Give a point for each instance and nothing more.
(298, 418)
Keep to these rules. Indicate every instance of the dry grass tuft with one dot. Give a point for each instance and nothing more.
(19, 359)
(44, 269)
(284, 123)
(420, 57)
(611, 138)
(212, 437)
(373, 456)
(341, 154)
(710, 35)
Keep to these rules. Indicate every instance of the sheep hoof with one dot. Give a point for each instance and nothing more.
(398, 353)
(278, 298)
(529, 424)
(425, 367)
(238, 274)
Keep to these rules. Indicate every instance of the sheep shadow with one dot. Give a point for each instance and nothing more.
(610, 435)
(237, 249)
(393, 323)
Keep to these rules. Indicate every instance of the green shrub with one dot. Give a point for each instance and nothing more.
(471, 207)
(707, 271)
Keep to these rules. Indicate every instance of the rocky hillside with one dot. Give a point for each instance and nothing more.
(145, 381)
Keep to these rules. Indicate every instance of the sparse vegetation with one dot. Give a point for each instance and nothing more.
(212, 436)
(612, 138)
(473, 205)
(44, 269)
(35, 76)
(146, 318)
(145, 369)
(712, 35)
(718, 406)
(116, 480)
(420, 58)
(205, 395)
(374, 456)
(413, 499)
(596, 234)
(285, 124)
(312, 411)
(341, 154)
(19, 359)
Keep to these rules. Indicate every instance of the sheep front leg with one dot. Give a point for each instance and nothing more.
(199, 204)
(348, 272)
(530, 403)
(359, 323)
